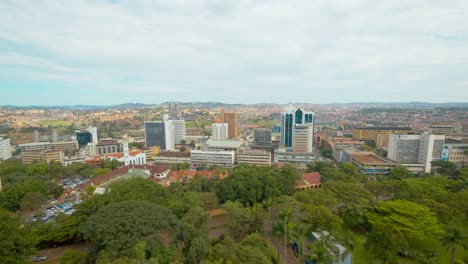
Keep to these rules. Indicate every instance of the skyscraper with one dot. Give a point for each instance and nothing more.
(164, 134)
(232, 120)
(155, 134)
(174, 109)
(292, 117)
(219, 131)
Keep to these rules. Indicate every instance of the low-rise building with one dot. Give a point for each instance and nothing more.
(309, 180)
(38, 156)
(67, 147)
(107, 146)
(220, 158)
(371, 163)
(255, 157)
(170, 157)
(37, 146)
(456, 153)
(135, 157)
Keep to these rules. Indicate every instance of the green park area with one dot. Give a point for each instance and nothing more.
(127, 176)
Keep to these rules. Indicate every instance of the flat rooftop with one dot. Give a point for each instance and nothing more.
(211, 143)
(369, 160)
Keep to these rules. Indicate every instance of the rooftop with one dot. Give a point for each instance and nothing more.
(211, 143)
(311, 178)
(369, 159)
(383, 128)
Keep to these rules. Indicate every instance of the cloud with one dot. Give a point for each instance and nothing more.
(201, 47)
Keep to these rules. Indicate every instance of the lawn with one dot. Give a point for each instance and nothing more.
(127, 176)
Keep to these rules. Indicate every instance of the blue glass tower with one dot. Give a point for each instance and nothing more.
(289, 119)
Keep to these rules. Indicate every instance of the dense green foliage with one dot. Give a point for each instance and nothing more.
(16, 242)
(251, 184)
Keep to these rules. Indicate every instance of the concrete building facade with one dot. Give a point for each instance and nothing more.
(254, 157)
(262, 137)
(290, 119)
(232, 119)
(416, 149)
(33, 147)
(219, 131)
(221, 158)
(5, 149)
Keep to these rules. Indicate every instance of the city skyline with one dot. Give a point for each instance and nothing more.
(112, 52)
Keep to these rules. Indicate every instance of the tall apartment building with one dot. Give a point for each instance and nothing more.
(416, 149)
(232, 120)
(5, 149)
(292, 118)
(219, 131)
(174, 110)
(262, 137)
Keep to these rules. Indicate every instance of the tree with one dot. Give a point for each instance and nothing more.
(299, 231)
(239, 219)
(324, 249)
(400, 173)
(71, 256)
(32, 201)
(118, 227)
(317, 197)
(198, 250)
(100, 171)
(16, 242)
(182, 149)
(384, 241)
(380, 189)
(411, 219)
(454, 236)
(444, 167)
(321, 218)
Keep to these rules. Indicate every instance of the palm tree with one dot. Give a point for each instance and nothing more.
(299, 231)
(284, 215)
(324, 249)
(454, 236)
(277, 231)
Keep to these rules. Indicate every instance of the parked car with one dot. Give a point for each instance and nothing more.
(39, 258)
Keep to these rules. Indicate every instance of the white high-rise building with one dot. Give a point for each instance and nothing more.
(290, 119)
(416, 149)
(178, 126)
(5, 149)
(219, 131)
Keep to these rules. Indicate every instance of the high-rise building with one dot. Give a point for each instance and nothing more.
(303, 138)
(178, 130)
(292, 117)
(447, 129)
(155, 134)
(232, 120)
(87, 136)
(416, 149)
(165, 134)
(262, 137)
(219, 131)
(5, 149)
(174, 109)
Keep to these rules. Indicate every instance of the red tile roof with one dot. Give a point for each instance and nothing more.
(311, 178)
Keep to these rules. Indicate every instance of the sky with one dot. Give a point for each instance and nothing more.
(242, 51)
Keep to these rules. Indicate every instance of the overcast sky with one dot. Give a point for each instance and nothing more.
(110, 52)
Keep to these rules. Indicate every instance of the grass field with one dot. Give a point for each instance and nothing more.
(127, 176)
(54, 123)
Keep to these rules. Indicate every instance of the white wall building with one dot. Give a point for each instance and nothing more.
(415, 149)
(38, 146)
(221, 158)
(219, 131)
(5, 149)
(137, 157)
(303, 138)
(178, 130)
